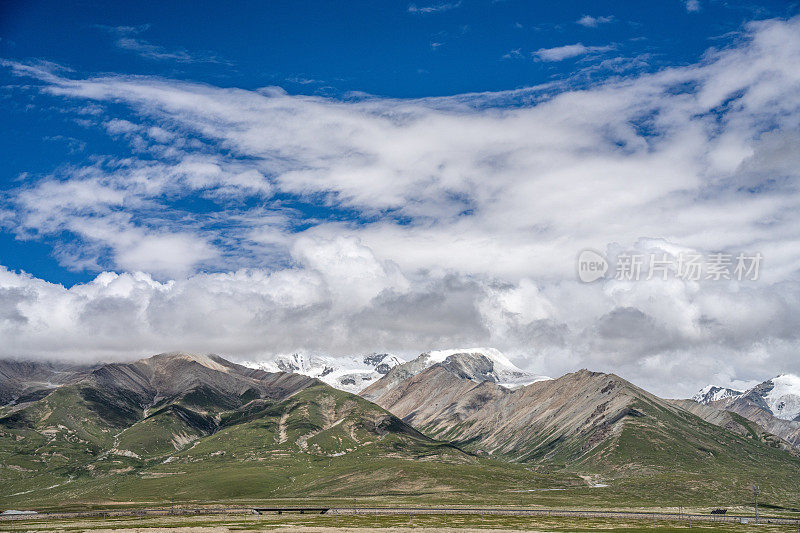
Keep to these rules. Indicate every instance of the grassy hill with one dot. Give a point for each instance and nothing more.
(200, 431)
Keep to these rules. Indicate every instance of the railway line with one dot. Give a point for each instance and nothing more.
(402, 511)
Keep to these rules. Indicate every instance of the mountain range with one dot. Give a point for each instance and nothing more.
(179, 409)
(350, 374)
(583, 417)
(449, 426)
(773, 404)
(353, 374)
(779, 396)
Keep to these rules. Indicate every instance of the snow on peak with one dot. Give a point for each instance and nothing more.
(783, 398)
(496, 356)
(350, 374)
(712, 393)
(780, 395)
(505, 372)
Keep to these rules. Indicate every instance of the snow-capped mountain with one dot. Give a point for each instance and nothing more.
(475, 364)
(779, 396)
(350, 374)
(353, 374)
(782, 396)
(503, 371)
(712, 393)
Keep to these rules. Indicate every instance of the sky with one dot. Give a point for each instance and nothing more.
(263, 178)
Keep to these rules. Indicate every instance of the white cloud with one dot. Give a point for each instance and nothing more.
(692, 6)
(560, 53)
(589, 21)
(429, 223)
(438, 7)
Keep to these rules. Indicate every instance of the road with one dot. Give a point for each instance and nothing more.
(488, 511)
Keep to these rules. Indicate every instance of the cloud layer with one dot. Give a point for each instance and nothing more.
(366, 223)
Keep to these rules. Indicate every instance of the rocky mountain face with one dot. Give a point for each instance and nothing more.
(22, 381)
(587, 418)
(351, 374)
(757, 425)
(712, 393)
(773, 405)
(476, 364)
(566, 416)
(159, 405)
(779, 396)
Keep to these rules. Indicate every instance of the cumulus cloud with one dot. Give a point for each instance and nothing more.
(370, 223)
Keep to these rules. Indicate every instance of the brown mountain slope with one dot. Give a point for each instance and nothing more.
(589, 420)
(753, 426)
(576, 411)
(186, 394)
(200, 427)
(788, 430)
(22, 381)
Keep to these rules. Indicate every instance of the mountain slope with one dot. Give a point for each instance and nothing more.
(22, 381)
(476, 364)
(772, 405)
(779, 396)
(182, 410)
(588, 420)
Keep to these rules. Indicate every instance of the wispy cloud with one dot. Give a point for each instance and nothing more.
(589, 21)
(560, 53)
(439, 7)
(126, 38)
(698, 157)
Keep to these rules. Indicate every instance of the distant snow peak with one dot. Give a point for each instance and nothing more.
(712, 393)
(501, 370)
(783, 398)
(354, 373)
(350, 374)
(780, 396)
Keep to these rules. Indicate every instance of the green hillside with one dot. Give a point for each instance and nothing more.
(133, 437)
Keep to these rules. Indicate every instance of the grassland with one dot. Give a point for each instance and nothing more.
(396, 523)
(327, 447)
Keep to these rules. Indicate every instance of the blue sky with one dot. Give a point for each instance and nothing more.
(399, 177)
(382, 48)
(389, 49)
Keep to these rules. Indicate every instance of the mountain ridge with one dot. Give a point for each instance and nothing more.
(350, 374)
(200, 427)
(476, 364)
(582, 418)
